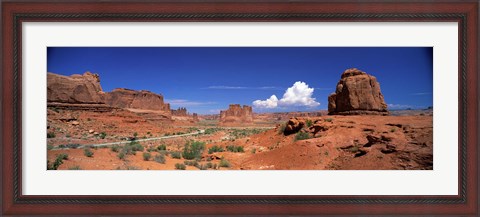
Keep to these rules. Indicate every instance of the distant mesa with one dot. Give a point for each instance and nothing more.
(236, 114)
(132, 99)
(182, 111)
(357, 93)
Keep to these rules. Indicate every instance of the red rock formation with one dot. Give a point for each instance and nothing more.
(195, 117)
(179, 112)
(237, 114)
(357, 93)
(146, 100)
(77, 89)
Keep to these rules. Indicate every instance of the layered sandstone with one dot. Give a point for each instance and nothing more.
(357, 93)
(132, 99)
(180, 112)
(237, 114)
(75, 89)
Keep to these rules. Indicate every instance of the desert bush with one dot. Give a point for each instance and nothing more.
(215, 149)
(309, 122)
(234, 148)
(121, 155)
(159, 158)
(103, 135)
(224, 163)
(88, 152)
(176, 154)
(63, 156)
(162, 147)
(180, 166)
(49, 147)
(115, 148)
(50, 135)
(135, 146)
(202, 166)
(302, 135)
(328, 119)
(209, 165)
(393, 130)
(214, 166)
(254, 151)
(135, 135)
(75, 168)
(193, 149)
(146, 156)
(191, 163)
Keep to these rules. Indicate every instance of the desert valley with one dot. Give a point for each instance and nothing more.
(88, 129)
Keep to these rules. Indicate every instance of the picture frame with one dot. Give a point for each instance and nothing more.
(15, 13)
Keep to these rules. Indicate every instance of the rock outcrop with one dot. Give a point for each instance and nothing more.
(180, 112)
(74, 89)
(357, 93)
(237, 114)
(132, 99)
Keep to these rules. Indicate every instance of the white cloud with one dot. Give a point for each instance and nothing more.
(271, 102)
(297, 95)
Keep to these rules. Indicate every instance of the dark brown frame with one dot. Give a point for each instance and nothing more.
(16, 12)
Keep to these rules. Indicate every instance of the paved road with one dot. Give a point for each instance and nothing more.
(138, 140)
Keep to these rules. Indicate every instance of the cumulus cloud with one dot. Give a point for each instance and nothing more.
(269, 103)
(297, 95)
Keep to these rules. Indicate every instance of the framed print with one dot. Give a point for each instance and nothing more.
(280, 108)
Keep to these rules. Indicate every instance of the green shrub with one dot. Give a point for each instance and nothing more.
(146, 156)
(75, 168)
(235, 149)
(135, 135)
(393, 130)
(50, 135)
(103, 135)
(136, 146)
(209, 165)
(159, 158)
(121, 155)
(328, 119)
(162, 147)
(254, 151)
(215, 149)
(191, 163)
(63, 156)
(302, 135)
(201, 166)
(309, 122)
(180, 166)
(49, 147)
(224, 163)
(87, 152)
(176, 155)
(193, 149)
(115, 148)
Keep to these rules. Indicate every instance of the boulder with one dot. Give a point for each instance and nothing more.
(357, 93)
(293, 126)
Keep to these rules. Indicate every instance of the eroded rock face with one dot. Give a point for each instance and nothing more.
(357, 93)
(126, 98)
(293, 126)
(180, 112)
(75, 89)
(237, 114)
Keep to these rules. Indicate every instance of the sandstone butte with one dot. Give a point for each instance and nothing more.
(357, 93)
(84, 92)
(236, 114)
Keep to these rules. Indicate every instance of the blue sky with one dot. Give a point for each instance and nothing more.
(207, 79)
